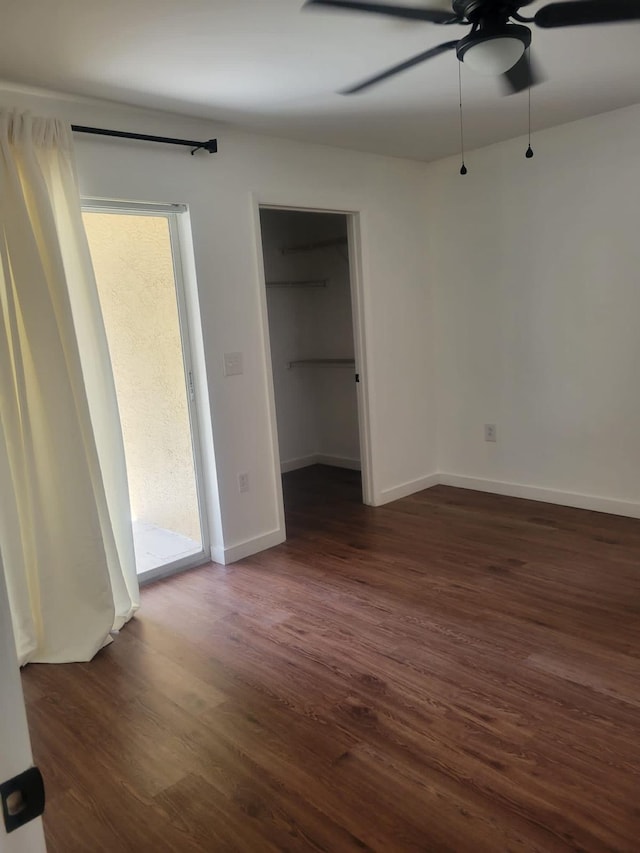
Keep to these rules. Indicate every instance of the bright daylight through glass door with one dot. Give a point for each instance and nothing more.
(140, 288)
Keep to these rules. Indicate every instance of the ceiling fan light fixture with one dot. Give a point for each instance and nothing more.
(492, 52)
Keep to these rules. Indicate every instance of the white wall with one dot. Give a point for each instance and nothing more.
(535, 264)
(316, 406)
(538, 300)
(222, 191)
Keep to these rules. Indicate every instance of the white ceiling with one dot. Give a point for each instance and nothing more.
(267, 66)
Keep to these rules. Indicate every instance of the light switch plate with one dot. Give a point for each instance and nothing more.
(233, 364)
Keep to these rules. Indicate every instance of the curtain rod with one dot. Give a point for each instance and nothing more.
(211, 145)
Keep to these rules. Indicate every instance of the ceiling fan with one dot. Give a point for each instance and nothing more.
(495, 44)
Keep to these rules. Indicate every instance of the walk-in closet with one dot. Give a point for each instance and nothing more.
(311, 330)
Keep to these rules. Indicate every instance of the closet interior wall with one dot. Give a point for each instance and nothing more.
(310, 317)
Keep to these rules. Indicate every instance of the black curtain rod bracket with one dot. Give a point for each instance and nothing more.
(211, 145)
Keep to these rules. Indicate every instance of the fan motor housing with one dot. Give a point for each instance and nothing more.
(476, 11)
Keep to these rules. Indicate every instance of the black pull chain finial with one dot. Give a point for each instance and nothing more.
(529, 153)
(463, 168)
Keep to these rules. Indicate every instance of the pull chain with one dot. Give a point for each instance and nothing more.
(529, 153)
(463, 169)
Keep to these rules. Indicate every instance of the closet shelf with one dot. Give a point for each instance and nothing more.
(322, 362)
(310, 247)
(314, 282)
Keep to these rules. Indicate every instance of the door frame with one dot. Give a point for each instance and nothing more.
(16, 755)
(175, 213)
(354, 217)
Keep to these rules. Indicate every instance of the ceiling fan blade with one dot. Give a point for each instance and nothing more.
(525, 73)
(578, 12)
(409, 63)
(412, 13)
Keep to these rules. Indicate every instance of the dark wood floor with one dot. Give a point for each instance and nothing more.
(452, 672)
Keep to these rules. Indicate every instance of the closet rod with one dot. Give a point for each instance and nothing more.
(325, 362)
(211, 145)
(309, 247)
(318, 282)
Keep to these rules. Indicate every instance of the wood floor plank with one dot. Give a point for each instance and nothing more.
(452, 672)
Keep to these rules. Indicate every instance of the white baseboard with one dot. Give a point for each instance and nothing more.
(299, 462)
(514, 490)
(405, 489)
(338, 461)
(250, 546)
(239, 551)
(319, 459)
(535, 493)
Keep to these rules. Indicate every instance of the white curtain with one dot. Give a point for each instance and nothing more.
(65, 522)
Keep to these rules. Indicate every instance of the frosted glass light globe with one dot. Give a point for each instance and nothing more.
(494, 56)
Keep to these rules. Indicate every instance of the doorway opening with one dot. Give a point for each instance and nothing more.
(136, 258)
(315, 341)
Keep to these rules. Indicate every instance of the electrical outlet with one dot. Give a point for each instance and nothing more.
(490, 433)
(243, 483)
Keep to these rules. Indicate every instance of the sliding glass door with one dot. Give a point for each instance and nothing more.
(136, 258)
